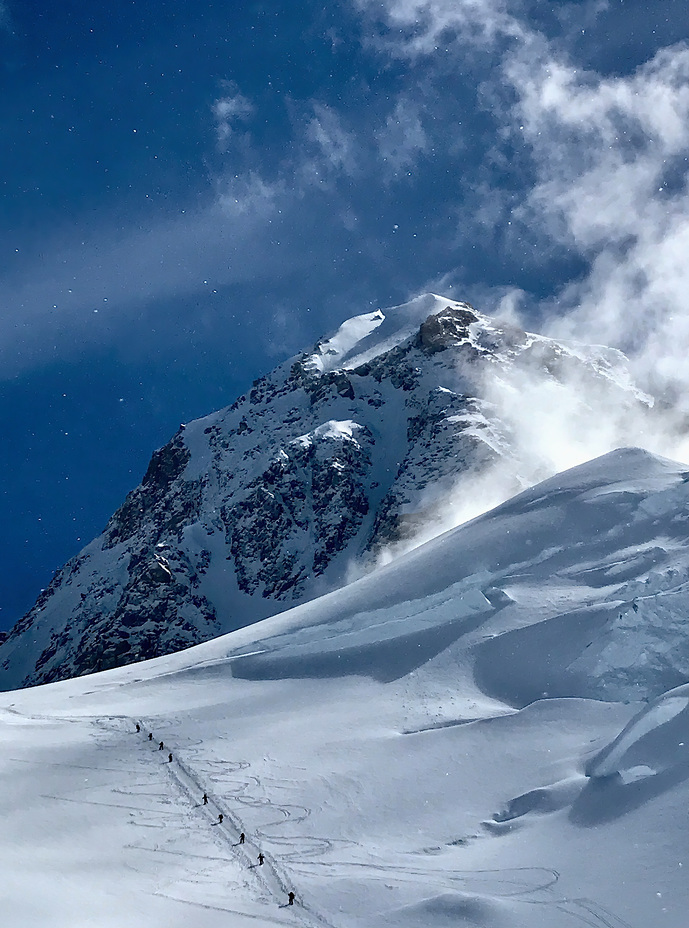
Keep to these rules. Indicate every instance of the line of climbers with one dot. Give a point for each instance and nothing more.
(242, 837)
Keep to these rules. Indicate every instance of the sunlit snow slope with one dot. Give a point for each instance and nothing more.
(489, 732)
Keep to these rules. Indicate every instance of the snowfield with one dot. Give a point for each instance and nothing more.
(490, 731)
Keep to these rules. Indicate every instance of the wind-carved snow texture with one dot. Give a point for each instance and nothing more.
(468, 736)
(337, 454)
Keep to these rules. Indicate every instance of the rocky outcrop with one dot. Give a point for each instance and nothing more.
(158, 609)
(164, 502)
(427, 472)
(446, 329)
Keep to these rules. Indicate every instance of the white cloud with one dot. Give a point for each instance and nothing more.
(609, 162)
(335, 144)
(612, 185)
(419, 27)
(654, 98)
(250, 195)
(228, 111)
(402, 138)
(5, 17)
(608, 156)
(96, 291)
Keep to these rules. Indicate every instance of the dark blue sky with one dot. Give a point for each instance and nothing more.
(193, 191)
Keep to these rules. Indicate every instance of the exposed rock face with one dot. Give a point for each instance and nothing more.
(446, 329)
(164, 502)
(427, 472)
(267, 502)
(316, 486)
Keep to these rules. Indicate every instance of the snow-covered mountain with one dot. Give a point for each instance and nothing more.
(337, 454)
(488, 732)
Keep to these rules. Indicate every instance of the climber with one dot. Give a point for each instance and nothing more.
(161, 746)
(205, 799)
(290, 898)
(169, 758)
(220, 819)
(138, 727)
(150, 736)
(261, 858)
(242, 838)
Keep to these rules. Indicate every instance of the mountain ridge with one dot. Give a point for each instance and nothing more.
(339, 453)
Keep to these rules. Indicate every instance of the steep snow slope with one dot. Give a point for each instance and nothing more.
(380, 745)
(339, 452)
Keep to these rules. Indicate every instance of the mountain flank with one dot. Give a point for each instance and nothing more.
(336, 455)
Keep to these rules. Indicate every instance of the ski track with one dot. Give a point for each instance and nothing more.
(216, 908)
(505, 884)
(271, 877)
(496, 883)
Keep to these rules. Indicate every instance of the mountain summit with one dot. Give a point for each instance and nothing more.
(337, 454)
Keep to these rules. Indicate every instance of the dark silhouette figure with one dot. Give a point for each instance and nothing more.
(138, 727)
(220, 819)
(205, 799)
(150, 736)
(290, 898)
(241, 838)
(161, 746)
(169, 758)
(261, 858)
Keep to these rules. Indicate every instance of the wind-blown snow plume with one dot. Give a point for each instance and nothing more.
(554, 424)
(607, 157)
(612, 185)
(547, 413)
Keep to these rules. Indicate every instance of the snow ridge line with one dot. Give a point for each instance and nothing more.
(190, 783)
